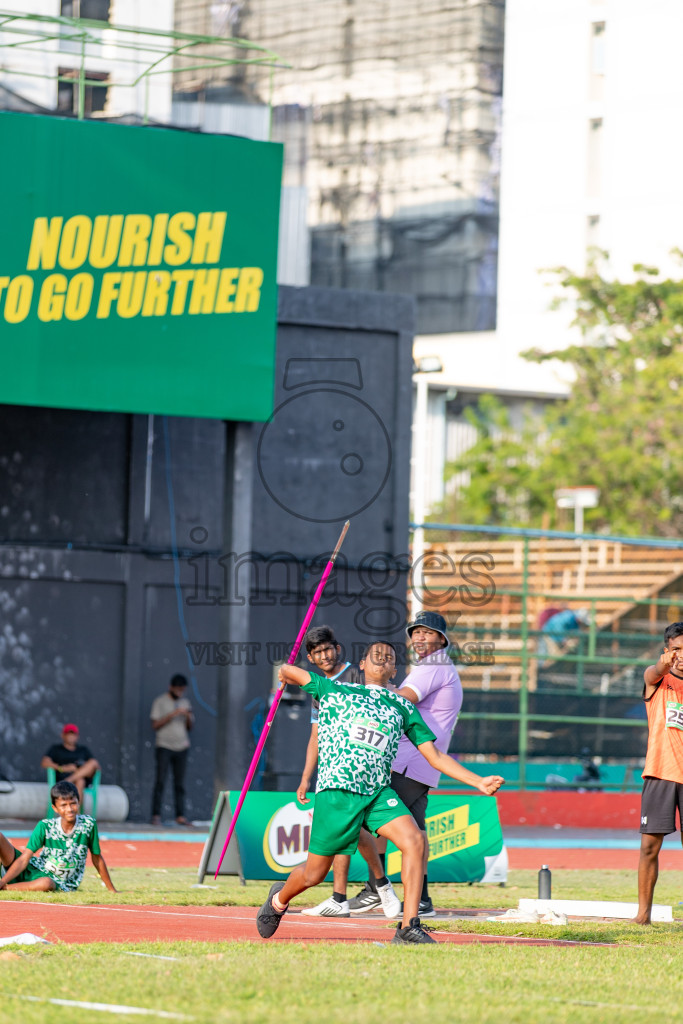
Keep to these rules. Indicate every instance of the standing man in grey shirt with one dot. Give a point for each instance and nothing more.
(172, 720)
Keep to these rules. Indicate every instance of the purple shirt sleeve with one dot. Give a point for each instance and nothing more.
(439, 690)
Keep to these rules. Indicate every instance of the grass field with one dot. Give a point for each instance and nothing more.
(637, 978)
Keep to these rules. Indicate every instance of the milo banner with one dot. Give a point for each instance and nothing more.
(273, 830)
(137, 268)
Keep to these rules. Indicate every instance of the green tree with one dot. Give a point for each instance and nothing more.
(619, 430)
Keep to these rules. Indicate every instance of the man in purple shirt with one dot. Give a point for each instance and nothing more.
(434, 686)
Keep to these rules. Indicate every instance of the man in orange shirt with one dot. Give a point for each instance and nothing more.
(663, 771)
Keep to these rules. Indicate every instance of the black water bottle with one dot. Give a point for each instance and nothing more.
(544, 883)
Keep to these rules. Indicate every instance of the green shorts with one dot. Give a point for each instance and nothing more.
(29, 874)
(339, 815)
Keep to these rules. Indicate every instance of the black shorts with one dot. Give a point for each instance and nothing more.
(658, 806)
(414, 796)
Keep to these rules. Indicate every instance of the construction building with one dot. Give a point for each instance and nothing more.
(390, 115)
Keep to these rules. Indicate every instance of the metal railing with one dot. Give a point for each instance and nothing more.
(136, 54)
(599, 666)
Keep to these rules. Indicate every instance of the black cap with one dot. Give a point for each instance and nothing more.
(430, 620)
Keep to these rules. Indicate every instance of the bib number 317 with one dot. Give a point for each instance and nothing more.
(366, 735)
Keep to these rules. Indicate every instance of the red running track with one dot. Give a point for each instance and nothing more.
(153, 854)
(62, 923)
(83, 924)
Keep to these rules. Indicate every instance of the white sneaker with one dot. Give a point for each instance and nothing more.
(391, 904)
(329, 908)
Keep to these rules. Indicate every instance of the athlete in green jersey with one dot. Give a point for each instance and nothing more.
(359, 727)
(64, 840)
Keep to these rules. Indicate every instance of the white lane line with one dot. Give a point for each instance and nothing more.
(152, 956)
(129, 910)
(295, 919)
(104, 1007)
(610, 1006)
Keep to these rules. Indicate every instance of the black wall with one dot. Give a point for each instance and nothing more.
(127, 541)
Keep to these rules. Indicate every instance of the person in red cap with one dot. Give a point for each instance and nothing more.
(72, 761)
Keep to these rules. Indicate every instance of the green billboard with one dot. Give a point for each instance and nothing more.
(272, 833)
(137, 268)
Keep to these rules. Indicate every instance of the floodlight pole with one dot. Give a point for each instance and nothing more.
(420, 483)
(423, 367)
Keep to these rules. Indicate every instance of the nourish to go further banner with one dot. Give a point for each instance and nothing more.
(273, 830)
(137, 268)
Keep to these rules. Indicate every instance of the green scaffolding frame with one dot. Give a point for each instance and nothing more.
(523, 717)
(157, 47)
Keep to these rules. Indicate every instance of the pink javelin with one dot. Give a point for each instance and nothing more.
(271, 714)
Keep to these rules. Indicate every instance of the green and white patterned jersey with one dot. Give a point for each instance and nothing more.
(358, 732)
(64, 854)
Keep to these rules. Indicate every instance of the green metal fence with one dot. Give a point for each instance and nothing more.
(538, 707)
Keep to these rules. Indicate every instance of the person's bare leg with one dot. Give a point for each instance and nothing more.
(79, 783)
(82, 774)
(6, 851)
(426, 854)
(340, 872)
(406, 836)
(38, 884)
(7, 858)
(303, 877)
(368, 850)
(86, 770)
(369, 853)
(648, 872)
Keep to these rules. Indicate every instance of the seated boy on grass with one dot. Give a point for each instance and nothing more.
(359, 727)
(64, 840)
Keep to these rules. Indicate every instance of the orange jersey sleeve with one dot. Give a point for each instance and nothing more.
(664, 758)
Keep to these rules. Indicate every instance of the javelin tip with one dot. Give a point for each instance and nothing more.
(341, 540)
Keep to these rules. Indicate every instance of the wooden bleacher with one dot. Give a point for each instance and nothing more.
(576, 571)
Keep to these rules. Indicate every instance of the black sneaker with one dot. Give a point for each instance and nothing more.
(425, 908)
(268, 919)
(366, 900)
(413, 934)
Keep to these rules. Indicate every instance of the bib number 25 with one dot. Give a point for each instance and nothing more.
(674, 715)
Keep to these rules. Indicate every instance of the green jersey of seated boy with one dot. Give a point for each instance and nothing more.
(64, 842)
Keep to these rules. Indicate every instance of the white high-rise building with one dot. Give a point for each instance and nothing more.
(591, 154)
(590, 158)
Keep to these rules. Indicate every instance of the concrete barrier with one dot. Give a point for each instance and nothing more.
(29, 800)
